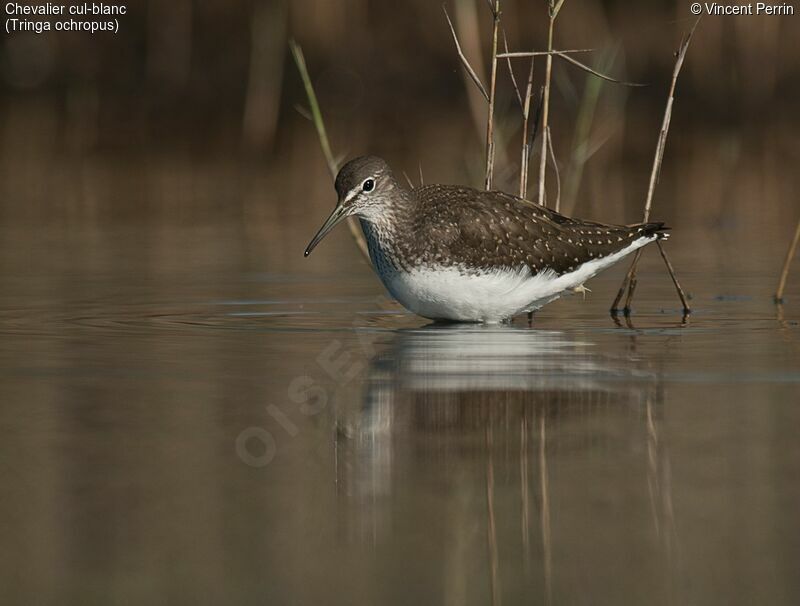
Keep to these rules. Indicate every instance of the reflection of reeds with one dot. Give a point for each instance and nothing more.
(319, 124)
(659, 486)
(787, 263)
(630, 280)
(547, 549)
(491, 528)
(525, 504)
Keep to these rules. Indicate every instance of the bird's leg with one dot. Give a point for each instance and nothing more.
(581, 289)
(530, 319)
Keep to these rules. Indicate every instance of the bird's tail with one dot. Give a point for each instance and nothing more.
(657, 229)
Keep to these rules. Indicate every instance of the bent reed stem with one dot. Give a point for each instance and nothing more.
(630, 280)
(787, 263)
(322, 135)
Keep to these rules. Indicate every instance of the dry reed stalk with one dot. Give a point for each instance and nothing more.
(464, 61)
(527, 54)
(322, 135)
(511, 69)
(671, 271)
(526, 146)
(490, 95)
(546, 103)
(525, 107)
(630, 279)
(786, 263)
(555, 167)
(554, 6)
(537, 116)
(563, 55)
(492, 91)
(546, 142)
(466, 30)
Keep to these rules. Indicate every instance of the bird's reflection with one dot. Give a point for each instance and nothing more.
(443, 377)
(496, 407)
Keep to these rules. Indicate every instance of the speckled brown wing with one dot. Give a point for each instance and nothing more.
(494, 229)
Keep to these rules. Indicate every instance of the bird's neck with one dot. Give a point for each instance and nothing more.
(389, 221)
(385, 228)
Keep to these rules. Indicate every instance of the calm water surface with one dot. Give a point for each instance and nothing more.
(200, 431)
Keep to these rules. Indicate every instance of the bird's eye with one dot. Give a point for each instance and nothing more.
(369, 185)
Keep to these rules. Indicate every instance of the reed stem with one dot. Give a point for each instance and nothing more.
(546, 110)
(492, 91)
(630, 280)
(322, 135)
(786, 263)
(526, 146)
(555, 167)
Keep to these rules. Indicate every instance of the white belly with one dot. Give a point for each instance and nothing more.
(450, 293)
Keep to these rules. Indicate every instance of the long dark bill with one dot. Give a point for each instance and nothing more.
(336, 217)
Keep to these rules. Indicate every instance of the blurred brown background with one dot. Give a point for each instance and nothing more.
(187, 116)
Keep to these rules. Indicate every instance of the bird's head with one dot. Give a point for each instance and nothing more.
(365, 187)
